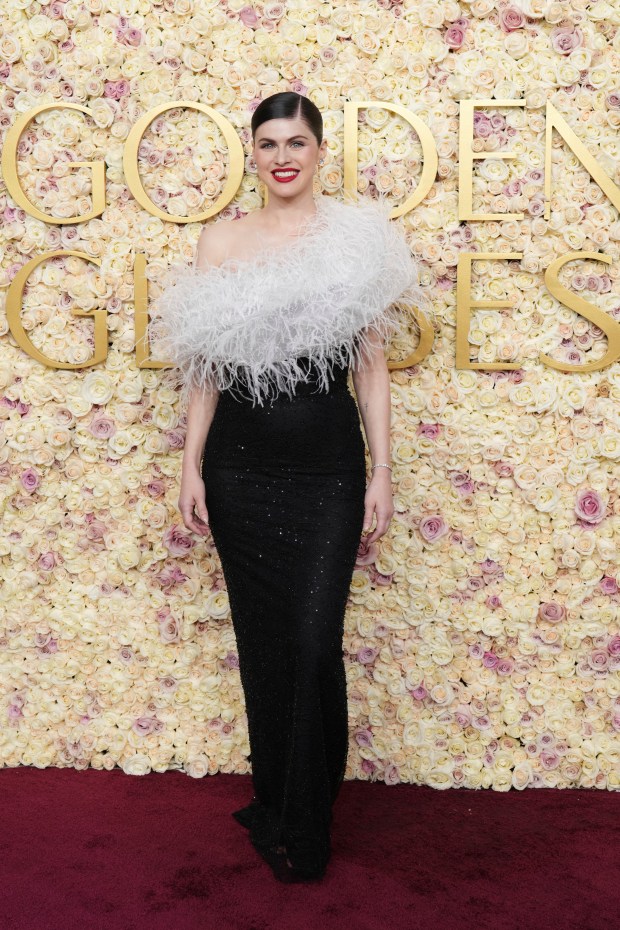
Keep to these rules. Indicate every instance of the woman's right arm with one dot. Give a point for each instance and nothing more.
(200, 412)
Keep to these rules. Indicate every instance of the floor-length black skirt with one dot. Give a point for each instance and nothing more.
(285, 486)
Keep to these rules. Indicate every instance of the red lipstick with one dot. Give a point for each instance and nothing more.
(289, 177)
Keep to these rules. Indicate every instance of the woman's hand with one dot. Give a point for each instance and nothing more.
(378, 500)
(192, 503)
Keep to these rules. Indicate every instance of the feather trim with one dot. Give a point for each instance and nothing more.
(325, 297)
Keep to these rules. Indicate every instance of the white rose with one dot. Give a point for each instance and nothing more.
(136, 765)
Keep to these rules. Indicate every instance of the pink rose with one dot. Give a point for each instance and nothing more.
(613, 646)
(482, 125)
(608, 585)
(552, 612)
(30, 479)
(47, 561)
(368, 766)
(565, 39)
(363, 737)
(170, 630)
(419, 693)
(377, 578)
(430, 430)
(511, 18)
(132, 37)
(536, 207)
(147, 725)
(549, 759)
(462, 715)
(391, 775)
(366, 655)
(433, 527)
(493, 602)
(514, 188)
(462, 482)
(589, 506)
(248, 17)
(102, 427)
(176, 541)
(598, 659)
(454, 36)
(504, 667)
(366, 552)
(175, 437)
(490, 660)
(171, 575)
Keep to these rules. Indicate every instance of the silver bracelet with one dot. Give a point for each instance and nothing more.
(381, 465)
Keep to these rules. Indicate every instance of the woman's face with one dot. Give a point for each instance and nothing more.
(282, 145)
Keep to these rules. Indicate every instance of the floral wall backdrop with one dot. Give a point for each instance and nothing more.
(482, 634)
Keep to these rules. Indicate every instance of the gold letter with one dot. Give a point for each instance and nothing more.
(9, 169)
(130, 162)
(13, 315)
(581, 306)
(143, 356)
(464, 303)
(429, 151)
(467, 155)
(556, 121)
(425, 344)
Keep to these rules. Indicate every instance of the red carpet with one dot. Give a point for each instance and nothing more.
(96, 850)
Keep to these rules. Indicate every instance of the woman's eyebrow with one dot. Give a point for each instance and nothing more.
(298, 136)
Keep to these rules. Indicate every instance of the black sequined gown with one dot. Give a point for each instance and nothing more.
(285, 486)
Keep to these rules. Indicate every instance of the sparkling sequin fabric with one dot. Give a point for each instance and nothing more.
(285, 486)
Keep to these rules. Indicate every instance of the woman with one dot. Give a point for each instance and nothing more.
(262, 332)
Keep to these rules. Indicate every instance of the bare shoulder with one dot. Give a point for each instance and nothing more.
(209, 251)
(227, 239)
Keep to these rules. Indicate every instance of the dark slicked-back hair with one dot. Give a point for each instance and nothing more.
(289, 105)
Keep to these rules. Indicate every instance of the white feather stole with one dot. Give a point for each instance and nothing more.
(319, 297)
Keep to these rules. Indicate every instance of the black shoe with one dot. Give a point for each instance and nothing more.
(245, 815)
(294, 874)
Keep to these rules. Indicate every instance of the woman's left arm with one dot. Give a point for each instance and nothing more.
(372, 387)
